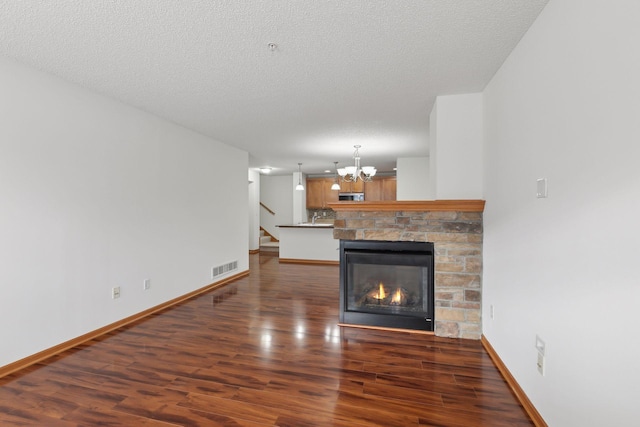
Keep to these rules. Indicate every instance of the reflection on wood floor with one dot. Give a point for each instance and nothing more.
(263, 351)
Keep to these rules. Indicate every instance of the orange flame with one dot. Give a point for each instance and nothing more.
(381, 294)
(397, 297)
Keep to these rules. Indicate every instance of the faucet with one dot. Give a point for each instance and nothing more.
(315, 216)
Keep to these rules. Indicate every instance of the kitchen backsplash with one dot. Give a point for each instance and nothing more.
(323, 214)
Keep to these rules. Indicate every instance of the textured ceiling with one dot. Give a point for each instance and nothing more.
(343, 72)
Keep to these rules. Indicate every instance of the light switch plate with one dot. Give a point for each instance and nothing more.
(541, 188)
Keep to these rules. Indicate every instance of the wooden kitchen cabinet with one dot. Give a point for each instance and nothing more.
(381, 188)
(315, 197)
(389, 188)
(319, 193)
(352, 187)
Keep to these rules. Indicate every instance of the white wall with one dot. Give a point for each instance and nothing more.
(412, 178)
(455, 147)
(95, 194)
(254, 209)
(275, 193)
(432, 184)
(566, 106)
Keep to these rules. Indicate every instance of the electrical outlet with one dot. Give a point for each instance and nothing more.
(541, 187)
(147, 284)
(540, 345)
(541, 364)
(115, 292)
(491, 312)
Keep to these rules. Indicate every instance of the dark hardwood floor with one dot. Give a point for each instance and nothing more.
(263, 351)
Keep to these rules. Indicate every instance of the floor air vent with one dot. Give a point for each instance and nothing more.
(224, 268)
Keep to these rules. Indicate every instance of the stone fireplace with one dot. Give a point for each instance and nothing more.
(455, 229)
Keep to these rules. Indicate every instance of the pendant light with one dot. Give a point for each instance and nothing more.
(335, 186)
(299, 187)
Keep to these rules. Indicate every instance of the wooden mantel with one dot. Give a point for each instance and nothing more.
(411, 205)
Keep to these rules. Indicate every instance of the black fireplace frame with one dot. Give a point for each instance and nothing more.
(424, 251)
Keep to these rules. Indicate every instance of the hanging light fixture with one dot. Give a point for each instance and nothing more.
(355, 172)
(335, 185)
(299, 187)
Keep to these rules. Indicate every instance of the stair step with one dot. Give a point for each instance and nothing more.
(265, 239)
(270, 248)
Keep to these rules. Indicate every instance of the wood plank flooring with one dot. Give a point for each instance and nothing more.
(263, 351)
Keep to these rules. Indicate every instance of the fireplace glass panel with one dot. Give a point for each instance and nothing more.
(386, 288)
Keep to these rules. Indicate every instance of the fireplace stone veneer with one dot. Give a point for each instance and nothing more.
(454, 227)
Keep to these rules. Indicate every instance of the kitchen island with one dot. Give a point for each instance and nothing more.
(308, 244)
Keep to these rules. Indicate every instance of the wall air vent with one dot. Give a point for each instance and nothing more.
(224, 268)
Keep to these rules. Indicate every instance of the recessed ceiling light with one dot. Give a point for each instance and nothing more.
(265, 170)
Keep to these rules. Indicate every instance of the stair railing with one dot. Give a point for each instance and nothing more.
(268, 210)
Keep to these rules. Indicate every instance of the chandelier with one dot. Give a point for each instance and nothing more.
(353, 173)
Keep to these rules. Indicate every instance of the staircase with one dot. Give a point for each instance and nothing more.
(268, 243)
